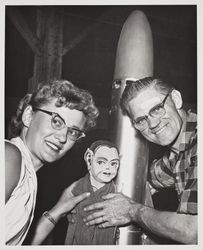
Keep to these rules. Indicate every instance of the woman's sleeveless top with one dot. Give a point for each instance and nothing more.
(19, 209)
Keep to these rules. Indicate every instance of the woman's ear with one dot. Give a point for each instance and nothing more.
(177, 98)
(88, 158)
(27, 116)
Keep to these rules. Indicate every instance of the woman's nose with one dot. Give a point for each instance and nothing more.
(62, 135)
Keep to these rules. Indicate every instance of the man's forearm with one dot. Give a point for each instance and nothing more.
(178, 227)
(119, 210)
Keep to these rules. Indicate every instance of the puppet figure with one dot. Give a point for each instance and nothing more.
(102, 159)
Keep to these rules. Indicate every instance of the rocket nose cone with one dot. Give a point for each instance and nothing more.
(137, 20)
(134, 57)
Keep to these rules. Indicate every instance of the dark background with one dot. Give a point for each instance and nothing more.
(90, 65)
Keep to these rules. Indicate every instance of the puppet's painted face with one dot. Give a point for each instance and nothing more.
(104, 164)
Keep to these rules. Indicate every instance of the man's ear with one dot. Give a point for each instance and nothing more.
(88, 158)
(27, 116)
(177, 98)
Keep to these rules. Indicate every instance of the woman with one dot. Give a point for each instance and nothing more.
(47, 125)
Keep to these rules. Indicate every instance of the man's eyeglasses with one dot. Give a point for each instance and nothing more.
(157, 111)
(58, 123)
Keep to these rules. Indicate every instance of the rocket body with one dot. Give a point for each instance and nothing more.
(134, 60)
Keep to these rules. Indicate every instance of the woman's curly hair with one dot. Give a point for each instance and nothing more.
(65, 93)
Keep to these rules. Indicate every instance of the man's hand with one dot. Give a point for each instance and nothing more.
(116, 210)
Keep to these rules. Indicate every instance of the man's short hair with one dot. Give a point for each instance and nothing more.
(134, 87)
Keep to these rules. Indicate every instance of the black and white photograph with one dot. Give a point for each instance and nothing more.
(100, 124)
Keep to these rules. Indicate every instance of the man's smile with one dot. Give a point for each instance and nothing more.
(159, 130)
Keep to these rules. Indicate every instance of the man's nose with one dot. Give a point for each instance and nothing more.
(153, 121)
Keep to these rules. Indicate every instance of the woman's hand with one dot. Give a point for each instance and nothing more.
(67, 202)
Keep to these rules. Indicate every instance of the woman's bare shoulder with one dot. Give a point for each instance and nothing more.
(12, 153)
(12, 167)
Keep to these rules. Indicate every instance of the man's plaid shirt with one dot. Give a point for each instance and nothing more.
(179, 169)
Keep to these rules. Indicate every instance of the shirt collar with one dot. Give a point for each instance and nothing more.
(187, 133)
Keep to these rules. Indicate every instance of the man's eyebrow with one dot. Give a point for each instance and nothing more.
(143, 116)
(140, 117)
(156, 105)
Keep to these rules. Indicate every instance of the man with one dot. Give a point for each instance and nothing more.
(155, 110)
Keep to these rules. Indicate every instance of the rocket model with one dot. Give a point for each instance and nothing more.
(134, 60)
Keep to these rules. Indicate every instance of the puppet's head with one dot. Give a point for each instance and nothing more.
(103, 160)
